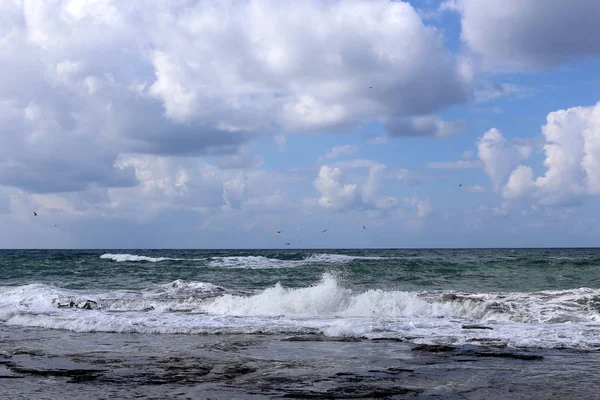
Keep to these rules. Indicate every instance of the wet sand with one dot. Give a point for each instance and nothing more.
(53, 364)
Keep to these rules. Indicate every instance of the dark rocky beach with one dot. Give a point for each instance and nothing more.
(50, 364)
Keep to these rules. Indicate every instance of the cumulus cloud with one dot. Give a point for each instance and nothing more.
(84, 82)
(529, 34)
(335, 195)
(572, 161)
(424, 126)
(499, 157)
(340, 188)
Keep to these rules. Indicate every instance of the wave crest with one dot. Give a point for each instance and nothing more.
(133, 258)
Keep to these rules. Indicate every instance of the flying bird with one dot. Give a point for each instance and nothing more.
(278, 231)
(34, 214)
(364, 227)
(460, 185)
(370, 87)
(288, 243)
(56, 226)
(324, 230)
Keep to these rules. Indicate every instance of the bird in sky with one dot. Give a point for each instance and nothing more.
(34, 214)
(288, 243)
(364, 227)
(278, 231)
(460, 185)
(324, 230)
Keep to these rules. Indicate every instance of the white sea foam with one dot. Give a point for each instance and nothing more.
(251, 262)
(260, 262)
(568, 318)
(133, 257)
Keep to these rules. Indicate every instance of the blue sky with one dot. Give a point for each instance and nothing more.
(204, 124)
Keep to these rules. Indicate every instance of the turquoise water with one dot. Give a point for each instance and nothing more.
(486, 270)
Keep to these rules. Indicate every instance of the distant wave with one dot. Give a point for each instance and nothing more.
(251, 262)
(261, 262)
(133, 257)
(549, 319)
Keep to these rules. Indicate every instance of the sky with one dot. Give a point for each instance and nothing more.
(215, 124)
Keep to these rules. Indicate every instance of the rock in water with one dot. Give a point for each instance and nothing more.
(88, 305)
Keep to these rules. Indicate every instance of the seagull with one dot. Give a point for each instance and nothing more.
(324, 230)
(56, 226)
(278, 231)
(34, 214)
(460, 185)
(364, 227)
(288, 243)
(370, 87)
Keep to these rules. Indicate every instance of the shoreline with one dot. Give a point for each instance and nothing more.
(41, 363)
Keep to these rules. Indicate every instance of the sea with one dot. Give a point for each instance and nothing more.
(300, 323)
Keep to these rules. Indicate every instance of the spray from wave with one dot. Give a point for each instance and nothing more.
(567, 318)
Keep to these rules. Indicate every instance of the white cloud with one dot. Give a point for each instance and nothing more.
(572, 148)
(519, 183)
(529, 34)
(202, 78)
(499, 157)
(334, 194)
(276, 68)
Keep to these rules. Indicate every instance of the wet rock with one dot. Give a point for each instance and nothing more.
(6, 373)
(68, 304)
(88, 305)
(84, 305)
(353, 392)
(434, 348)
(392, 370)
(477, 327)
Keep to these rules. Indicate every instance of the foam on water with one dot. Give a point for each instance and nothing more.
(251, 262)
(133, 258)
(568, 318)
(261, 262)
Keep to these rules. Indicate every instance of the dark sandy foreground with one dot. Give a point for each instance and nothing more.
(51, 364)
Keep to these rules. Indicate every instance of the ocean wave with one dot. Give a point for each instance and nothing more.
(134, 258)
(251, 262)
(567, 318)
(262, 262)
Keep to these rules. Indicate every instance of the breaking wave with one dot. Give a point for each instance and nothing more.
(133, 258)
(567, 318)
(251, 262)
